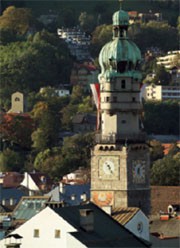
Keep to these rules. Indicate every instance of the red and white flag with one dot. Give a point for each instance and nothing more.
(96, 95)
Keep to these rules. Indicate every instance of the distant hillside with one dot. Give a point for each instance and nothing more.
(170, 9)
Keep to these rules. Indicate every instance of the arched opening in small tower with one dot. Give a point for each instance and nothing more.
(121, 66)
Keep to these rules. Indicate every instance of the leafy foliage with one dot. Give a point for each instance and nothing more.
(46, 114)
(11, 128)
(166, 171)
(161, 117)
(75, 152)
(11, 161)
(30, 65)
(156, 34)
(156, 150)
(18, 20)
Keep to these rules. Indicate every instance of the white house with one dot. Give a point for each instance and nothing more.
(73, 227)
(46, 229)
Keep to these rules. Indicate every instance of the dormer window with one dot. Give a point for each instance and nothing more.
(17, 99)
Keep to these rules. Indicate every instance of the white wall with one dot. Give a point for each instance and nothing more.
(132, 225)
(29, 183)
(47, 221)
(74, 243)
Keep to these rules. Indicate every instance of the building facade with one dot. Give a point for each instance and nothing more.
(161, 92)
(120, 158)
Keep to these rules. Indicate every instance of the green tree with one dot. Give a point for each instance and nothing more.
(162, 77)
(47, 116)
(166, 171)
(11, 161)
(27, 65)
(87, 22)
(156, 34)
(161, 117)
(7, 36)
(100, 36)
(156, 150)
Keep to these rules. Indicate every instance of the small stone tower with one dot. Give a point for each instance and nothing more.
(120, 158)
(18, 103)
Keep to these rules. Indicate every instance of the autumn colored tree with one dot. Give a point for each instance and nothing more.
(17, 129)
(17, 19)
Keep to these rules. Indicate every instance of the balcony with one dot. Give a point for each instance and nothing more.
(120, 138)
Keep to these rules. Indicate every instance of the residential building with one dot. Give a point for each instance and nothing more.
(160, 92)
(171, 59)
(37, 182)
(83, 122)
(78, 42)
(134, 220)
(84, 75)
(75, 226)
(70, 194)
(135, 17)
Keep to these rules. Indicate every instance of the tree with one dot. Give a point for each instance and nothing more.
(47, 117)
(156, 150)
(76, 151)
(100, 36)
(18, 20)
(166, 171)
(162, 77)
(7, 36)
(11, 161)
(156, 34)
(87, 22)
(161, 117)
(27, 65)
(11, 128)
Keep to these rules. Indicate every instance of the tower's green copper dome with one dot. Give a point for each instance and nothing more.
(120, 55)
(121, 17)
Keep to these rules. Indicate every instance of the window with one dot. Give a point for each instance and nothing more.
(107, 99)
(133, 99)
(17, 99)
(123, 84)
(36, 233)
(123, 121)
(57, 233)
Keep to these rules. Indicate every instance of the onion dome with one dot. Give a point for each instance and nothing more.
(120, 55)
(121, 17)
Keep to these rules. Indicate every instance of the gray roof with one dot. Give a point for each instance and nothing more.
(169, 228)
(84, 118)
(106, 233)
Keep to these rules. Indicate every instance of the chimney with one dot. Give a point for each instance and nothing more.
(87, 219)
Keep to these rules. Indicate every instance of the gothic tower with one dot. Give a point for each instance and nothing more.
(120, 158)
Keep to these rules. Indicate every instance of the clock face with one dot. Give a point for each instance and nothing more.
(109, 167)
(138, 171)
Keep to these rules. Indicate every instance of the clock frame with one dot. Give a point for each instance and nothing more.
(138, 171)
(108, 167)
